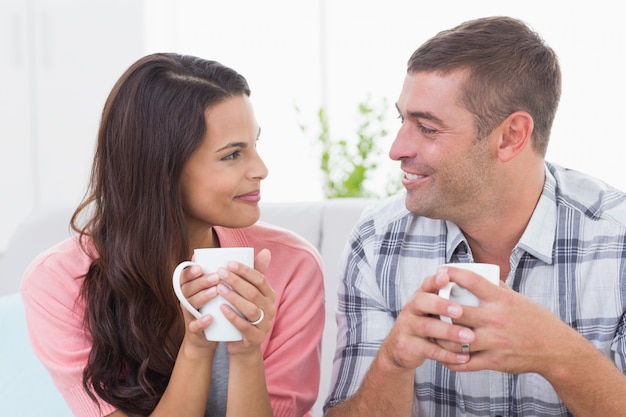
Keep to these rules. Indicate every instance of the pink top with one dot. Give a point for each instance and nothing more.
(291, 349)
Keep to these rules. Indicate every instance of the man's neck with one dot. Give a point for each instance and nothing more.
(493, 237)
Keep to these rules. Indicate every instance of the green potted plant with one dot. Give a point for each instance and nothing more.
(349, 166)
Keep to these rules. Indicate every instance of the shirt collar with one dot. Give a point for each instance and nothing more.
(538, 238)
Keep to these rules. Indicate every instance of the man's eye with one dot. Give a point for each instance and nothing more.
(426, 130)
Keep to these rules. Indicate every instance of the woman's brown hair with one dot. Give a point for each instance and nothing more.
(134, 228)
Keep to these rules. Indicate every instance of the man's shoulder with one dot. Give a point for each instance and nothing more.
(590, 195)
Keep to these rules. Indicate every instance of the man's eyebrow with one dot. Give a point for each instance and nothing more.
(422, 115)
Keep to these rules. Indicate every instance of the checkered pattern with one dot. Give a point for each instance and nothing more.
(570, 259)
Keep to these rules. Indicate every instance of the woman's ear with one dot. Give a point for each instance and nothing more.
(516, 135)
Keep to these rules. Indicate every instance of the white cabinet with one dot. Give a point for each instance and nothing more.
(58, 61)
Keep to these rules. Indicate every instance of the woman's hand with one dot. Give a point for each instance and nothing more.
(250, 292)
(198, 289)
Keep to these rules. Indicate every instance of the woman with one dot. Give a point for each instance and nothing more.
(176, 168)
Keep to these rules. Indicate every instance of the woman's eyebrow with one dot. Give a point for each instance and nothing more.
(233, 145)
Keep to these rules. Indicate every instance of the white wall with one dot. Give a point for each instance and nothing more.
(311, 52)
(58, 61)
(366, 44)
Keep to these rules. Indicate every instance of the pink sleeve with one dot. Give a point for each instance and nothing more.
(54, 317)
(292, 352)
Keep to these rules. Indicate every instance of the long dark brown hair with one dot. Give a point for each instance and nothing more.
(133, 226)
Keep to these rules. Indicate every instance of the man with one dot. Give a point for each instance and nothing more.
(477, 107)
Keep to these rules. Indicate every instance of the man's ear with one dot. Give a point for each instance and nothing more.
(516, 132)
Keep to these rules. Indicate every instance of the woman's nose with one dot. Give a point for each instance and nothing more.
(260, 170)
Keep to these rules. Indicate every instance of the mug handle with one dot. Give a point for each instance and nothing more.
(179, 291)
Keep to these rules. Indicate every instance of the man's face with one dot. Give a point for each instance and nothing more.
(447, 171)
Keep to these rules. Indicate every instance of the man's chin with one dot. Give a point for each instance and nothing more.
(416, 205)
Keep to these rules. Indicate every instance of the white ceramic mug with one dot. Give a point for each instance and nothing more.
(211, 259)
(460, 295)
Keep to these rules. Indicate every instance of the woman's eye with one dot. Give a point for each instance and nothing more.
(232, 156)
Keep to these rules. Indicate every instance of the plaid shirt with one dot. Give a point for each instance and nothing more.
(570, 259)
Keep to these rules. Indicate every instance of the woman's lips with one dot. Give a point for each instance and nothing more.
(251, 197)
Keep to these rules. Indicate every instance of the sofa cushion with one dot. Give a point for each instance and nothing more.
(39, 230)
(303, 218)
(20, 368)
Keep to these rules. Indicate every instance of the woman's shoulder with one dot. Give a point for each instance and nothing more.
(59, 267)
(295, 262)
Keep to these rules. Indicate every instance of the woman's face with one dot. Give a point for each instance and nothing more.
(221, 181)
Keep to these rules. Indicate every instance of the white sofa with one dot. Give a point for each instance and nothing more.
(27, 390)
